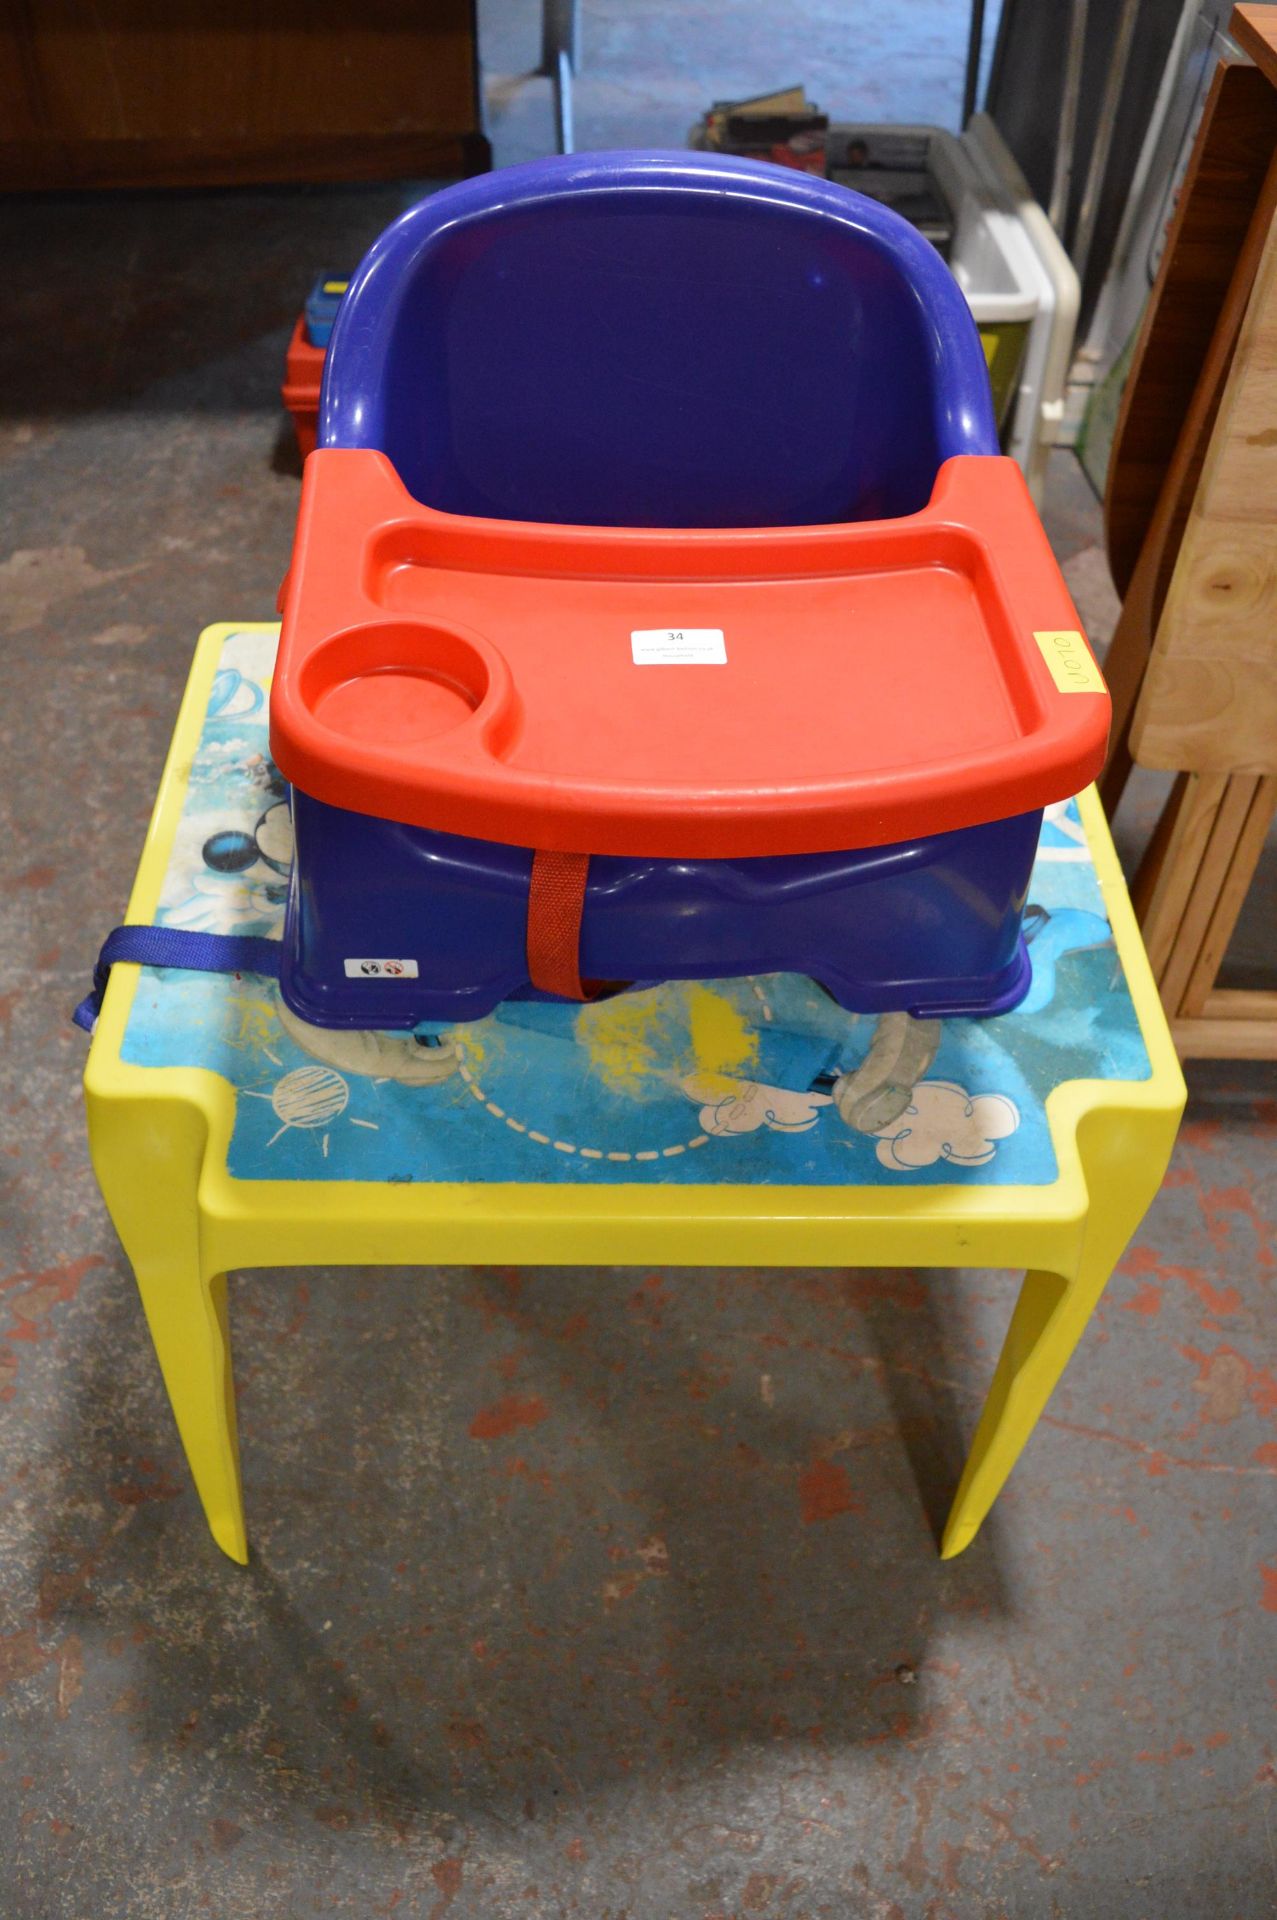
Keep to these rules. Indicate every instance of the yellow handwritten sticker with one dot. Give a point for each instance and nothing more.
(336, 286)
(1073, 668)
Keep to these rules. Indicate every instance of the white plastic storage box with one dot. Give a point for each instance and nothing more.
(970, 199)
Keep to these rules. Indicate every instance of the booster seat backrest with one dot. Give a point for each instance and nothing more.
(657, 339)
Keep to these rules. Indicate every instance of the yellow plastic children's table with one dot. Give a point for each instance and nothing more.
(738, 1122)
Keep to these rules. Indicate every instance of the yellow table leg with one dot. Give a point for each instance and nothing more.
(1124, 1155)
(147, 1155)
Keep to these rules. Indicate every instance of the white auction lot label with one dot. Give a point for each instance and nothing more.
(381, 969)
(678, 647)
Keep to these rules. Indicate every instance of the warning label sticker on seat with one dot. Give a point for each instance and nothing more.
(381, 969)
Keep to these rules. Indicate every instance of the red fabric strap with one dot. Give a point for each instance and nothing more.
(556, 902)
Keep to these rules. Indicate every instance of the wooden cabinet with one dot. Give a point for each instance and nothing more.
(1192, 526)
(204, 92)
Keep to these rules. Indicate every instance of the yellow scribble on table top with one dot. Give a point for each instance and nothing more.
(628, 1039)
(476, 1040)
(251, 1021)
(639, 1042)
(723, 1042)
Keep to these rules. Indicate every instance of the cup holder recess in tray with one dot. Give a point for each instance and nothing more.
(395, 683)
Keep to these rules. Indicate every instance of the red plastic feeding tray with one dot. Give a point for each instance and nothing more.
(682, 694)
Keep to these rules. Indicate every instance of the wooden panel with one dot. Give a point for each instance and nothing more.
(1127, 658)
(1162, 887)
(239, 162)
(1209, 699)
(1208, 884)
(1247, 1039)
(1165, 836)
(1241, 871)
(1241, 1003)
(1231, 155)
(179, 91)
(1255, 31)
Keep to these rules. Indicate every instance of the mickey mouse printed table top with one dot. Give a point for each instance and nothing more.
(747, 1121)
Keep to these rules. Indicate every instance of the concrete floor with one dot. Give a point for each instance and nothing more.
(650, 68)
(596, 1654)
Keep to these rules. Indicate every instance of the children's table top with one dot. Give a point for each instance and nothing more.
(754, 1108)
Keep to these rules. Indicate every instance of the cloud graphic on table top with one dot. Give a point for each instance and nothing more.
(741, 1106)
(944, 1122)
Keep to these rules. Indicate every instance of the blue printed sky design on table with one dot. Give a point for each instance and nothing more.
(731, 1081)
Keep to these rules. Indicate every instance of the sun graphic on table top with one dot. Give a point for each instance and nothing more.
(309, 1099)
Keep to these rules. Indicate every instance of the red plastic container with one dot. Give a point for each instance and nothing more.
(680, 693)
(303, 373)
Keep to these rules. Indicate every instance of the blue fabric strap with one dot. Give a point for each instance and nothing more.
(174, 947)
